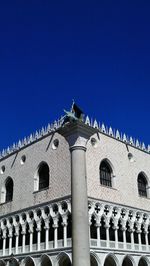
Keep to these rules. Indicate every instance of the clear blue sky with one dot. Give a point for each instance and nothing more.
(97, 52)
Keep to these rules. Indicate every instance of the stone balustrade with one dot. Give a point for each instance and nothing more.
(48, 227)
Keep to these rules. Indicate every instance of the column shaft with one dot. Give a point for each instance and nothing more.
(23, 242)
(124, 239)
(65, 235)
(16, 245)
(10, 245)
(31, 241)
(4, 246)
(47, 238)
(39, 240)
(55, 237)
(107, 236)
(80, 219)
(132, 239)
(98, 236)
(116, 238)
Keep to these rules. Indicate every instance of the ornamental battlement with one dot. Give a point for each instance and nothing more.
(57, 124)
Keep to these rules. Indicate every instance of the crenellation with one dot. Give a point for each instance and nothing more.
(58, 123)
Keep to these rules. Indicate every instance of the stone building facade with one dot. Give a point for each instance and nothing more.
(75, 194)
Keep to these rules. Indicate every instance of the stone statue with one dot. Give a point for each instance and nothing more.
(74, 114)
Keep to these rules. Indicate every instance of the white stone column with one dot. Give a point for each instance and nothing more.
(47, 237)
(64, 224)
(98, 234)
(38, 229)
(132, 238)
(146, 240)
(17, 238)
(31, 225)
(107, 235)
(4, 240)
(46, 227)
(90, 229)
(23, 241)
(10, 240)
(23, 232)
(17, 243)
(55, 226)
(139, 239)
(124, 237)
(77, 134)
(30, 221)
(116, 236)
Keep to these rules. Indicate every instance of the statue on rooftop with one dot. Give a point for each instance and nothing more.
(74, 114)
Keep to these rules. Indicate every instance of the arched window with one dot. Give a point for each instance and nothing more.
(9, 189)
(142, 185)
(43, 174)
(105, 174)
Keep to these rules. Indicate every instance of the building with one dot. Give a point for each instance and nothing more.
(75, 193)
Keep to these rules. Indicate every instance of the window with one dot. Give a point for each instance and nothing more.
(105, 174)
(43, 174)
(9, 189)
(142, 185)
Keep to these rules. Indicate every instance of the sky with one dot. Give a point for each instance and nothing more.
(95, 52)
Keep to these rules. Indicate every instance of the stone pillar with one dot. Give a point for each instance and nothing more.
(47, 237)
(10, 240)
(46, 227)
(64, 224)
(77, 134)
(116, 236)
(4, 245)
(23, 241)
(124, 237)
(55, 236)
(31, 225)
(4, 239)
(132, 238)
(139, 239)
(107, 235)
(98, 234)
(146, 240)
(17, 238)
(55, 226)
(38, 229)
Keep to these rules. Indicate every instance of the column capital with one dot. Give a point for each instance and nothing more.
(77, 133)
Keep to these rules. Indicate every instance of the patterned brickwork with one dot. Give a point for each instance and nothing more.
(124, 190)
(23, 175)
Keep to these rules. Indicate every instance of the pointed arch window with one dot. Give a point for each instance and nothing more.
(142, 185)
(9, 189)
(43, 174)
(105, 174)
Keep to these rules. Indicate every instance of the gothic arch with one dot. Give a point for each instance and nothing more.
(110, 164)
(63, 259)
(128, 261)
(28, 261)
(13, 262)
(41, 165)
(95, 261)
(143, 261)
(111, 260)
(7, 191)
(45, 260)
(106, 172)
(146, 177)
(143, 185)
